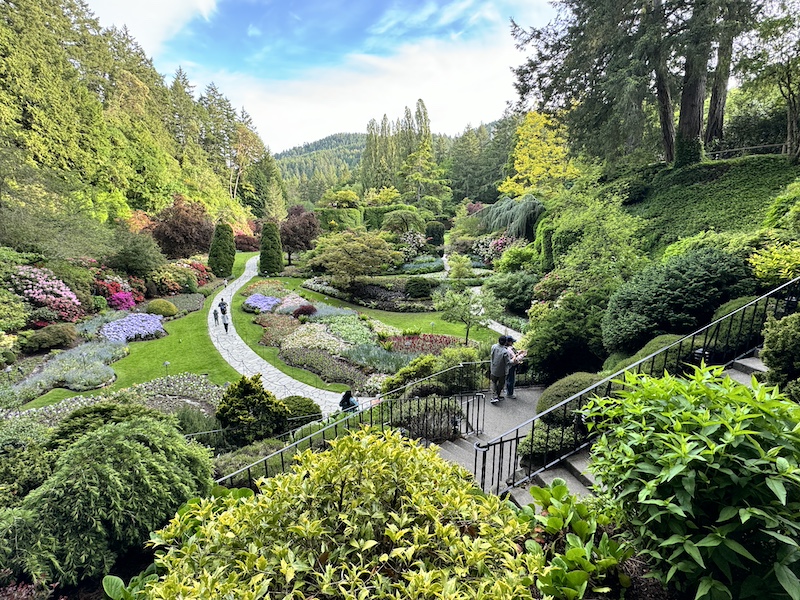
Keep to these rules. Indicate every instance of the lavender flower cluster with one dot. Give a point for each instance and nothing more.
(259, 303)
(138, 326)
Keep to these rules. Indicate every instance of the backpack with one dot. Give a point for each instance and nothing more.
(223, 308)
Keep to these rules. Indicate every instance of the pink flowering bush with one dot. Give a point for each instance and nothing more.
(41, 288)
(122, 301)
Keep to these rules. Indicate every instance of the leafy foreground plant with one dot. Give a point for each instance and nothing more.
(376, 516)
(572, 540)
(707, 472)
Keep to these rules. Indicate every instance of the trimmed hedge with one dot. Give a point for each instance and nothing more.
(337, 219)
(373, 215)
(162, 307)
(561, 390)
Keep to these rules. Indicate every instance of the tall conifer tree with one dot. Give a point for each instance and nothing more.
(271, 259)
(223, 251)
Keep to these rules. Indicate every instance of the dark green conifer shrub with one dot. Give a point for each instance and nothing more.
(514, 290)
(58, 335)
(781, 351)
(271, 259)
(418, 287)
(250, 411)
(223, 251)
(300, 406)
(434, 231)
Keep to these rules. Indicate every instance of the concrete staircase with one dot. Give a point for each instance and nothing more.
(742, 370)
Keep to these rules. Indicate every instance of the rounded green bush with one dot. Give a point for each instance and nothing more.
(654, 345)
(300, 406)
(781, 351)
(535, 447)
(561, 390)
(418, 287)
(58, 335)
(9, 358)
(162, 307)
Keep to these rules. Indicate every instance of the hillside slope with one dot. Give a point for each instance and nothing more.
(727, 195)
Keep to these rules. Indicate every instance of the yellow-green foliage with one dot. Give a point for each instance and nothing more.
(376, 516)
(162, 307)
(776, 265)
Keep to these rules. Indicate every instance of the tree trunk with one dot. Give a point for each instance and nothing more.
(719, 91)
(688, 149)
(663, 93)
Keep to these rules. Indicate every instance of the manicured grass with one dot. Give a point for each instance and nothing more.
(251, 333)
(188, 348)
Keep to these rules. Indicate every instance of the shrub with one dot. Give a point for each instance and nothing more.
(382, 485)
(99, 303)
(246, 243)
(513, 290)
(13, 311)
(81, 517)
(138, 254)
(672, 361)
(427, 416)
(568, 338)
(561, 390)
(313, 336)
(300, 406)
(173, 279)
(222, 252)
(708, 503)
(741, 331)
(377, 359)
(41, 288)
(673, 298)
(418, 368)
(183, 229)
(777, 264)
(349, 328)
(90, 418)
(188, 302)
(418, 287)
(162, 307)
(543, 442)
(271, 258)
(252, 412)
(460, 266)
(304, 310)
(122, 301)
(781, 350)
(60, 335)
(230, 462)
(434, 231)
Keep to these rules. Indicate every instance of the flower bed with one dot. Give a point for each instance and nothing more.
(328, 367)
(268, 287)
(258, 303)
(426, 343)
(139, 326)
(349, 328)
(375, 358)
(188, 302)
(276, 328)
(326, 310)
(313, 335)
(291, 303)
(42, 288)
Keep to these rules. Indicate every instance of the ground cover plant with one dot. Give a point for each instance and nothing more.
(411, 520)
(139, 326)
(705, 470)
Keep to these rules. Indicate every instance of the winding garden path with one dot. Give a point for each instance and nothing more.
(242, 358)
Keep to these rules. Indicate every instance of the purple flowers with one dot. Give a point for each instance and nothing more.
(260, 303)
(40, 287)
(139, 326)
(122, 301)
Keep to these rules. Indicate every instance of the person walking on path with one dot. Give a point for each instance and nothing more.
(516, 359)
(216, 317)
(225, 321)
(500, 363)
(223, 306)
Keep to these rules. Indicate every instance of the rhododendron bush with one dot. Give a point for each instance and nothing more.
(41, 288)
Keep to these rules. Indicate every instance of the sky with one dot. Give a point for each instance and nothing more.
(306, 69)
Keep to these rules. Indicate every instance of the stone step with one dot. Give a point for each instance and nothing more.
(578, 465)
(749, 365)
(574, 485)
(745, 379)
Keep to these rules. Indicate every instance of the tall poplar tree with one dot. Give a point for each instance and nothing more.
(270, 261)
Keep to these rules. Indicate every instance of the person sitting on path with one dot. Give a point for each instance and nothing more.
(225, 321)
(500, 363)
(348, 403)
(516, 359)
(216, 317)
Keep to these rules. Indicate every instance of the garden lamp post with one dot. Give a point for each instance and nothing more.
(166, 368)
(8, 373)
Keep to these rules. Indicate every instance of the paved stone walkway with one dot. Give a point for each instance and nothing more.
(242, 358)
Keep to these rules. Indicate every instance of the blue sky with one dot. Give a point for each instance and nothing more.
(305, 69)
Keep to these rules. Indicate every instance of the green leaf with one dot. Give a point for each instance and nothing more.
(114, 588)
(705, 586)
(782, 464)
(727, 513)
(692, 551)
(779, 536)
(739, 549)
(788, 580)
(776, 485)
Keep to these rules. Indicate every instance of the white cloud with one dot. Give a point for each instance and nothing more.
(460, 82)
(151, 22)
(253, 31)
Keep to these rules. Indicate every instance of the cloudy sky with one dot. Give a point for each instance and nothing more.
(305, 69)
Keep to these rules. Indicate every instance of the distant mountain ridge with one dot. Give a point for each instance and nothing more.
(333, 155)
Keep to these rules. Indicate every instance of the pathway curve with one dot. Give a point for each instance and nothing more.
(242, 358)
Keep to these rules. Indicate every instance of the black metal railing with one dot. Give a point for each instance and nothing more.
(459, 408)
(548, 438)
